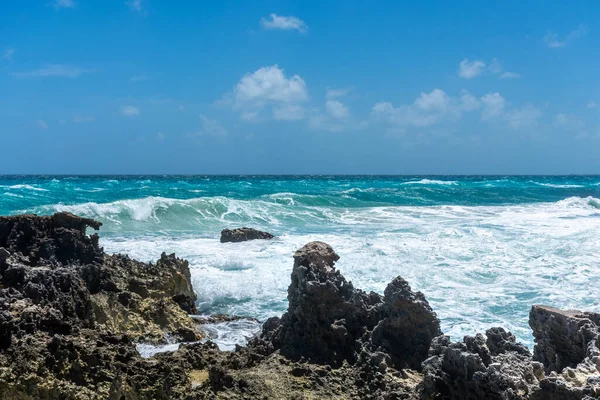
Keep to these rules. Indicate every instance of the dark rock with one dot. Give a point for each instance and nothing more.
(328, 321)
(561, 337)
(242, 235)
(470, 371)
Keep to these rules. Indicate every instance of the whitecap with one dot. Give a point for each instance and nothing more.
(430, 182)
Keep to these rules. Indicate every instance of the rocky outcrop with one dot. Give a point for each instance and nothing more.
(243, 235)
(561, 337)
(70, 314)
(329, 321)
(70, 317)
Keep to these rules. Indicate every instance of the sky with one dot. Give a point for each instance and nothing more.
(299, 87)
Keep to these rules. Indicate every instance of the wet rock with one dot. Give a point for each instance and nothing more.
(329, 321)
(242, 235)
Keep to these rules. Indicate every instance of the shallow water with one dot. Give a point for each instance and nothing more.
(482, 249)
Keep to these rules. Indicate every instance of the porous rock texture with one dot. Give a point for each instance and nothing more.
(329, 321)
(71, 315)
(243, 235)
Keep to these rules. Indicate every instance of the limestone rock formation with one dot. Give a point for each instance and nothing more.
(329, 321)
(243, 235)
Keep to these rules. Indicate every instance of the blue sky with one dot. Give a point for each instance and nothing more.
(285, 87)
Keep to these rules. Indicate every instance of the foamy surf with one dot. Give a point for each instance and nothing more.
(483, 250)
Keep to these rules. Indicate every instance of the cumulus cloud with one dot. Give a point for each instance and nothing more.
(593, 105)
(428, 109)
(554, 41)
(336, 93)
(8, 54)
(286, 112)
(336, 109)
(130, 111)
(493, 105)
(275, 21)
(496, 108)
(160, 137)
(63, 4)
(54, 70)
(470, 69)
(269, 87)
(42, 124)
(509, 75)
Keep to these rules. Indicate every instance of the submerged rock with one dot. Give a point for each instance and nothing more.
(242, 235)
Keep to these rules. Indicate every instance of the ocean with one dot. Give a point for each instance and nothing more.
(482, 249)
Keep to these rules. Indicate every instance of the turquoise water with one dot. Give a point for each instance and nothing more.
(482, 249)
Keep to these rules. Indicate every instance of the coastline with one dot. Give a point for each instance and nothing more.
(66, 333)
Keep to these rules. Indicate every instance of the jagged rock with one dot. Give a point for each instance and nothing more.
(496, 368)
(561, 337)
(50, 240)
(69, 315)
(242, 235)
(328, 320)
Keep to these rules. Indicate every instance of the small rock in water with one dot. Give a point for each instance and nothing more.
(243, 235)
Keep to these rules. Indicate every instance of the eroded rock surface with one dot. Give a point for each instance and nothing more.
(329, 321)
(70, 317)
(243, 235)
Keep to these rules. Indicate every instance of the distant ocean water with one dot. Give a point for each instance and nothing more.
(482, 249)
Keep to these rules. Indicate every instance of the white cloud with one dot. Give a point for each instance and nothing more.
(63, 4)
(509, 75)
(524, 117)
(79, 119)
(212, 127)
(592, 105)
(468, 101)
(468, 70)
(428, 109)
(336, 109)
(336, 93)
(287, 112)
(42, 124)
(553, 41)
(268, 86)
(496, 108)
(136, 5)
(8, 54)
(54, 70)
(493, 105)
(285, 23)
(130, 111)
(160, 137)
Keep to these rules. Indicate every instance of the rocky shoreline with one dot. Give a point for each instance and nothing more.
(71, 316)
